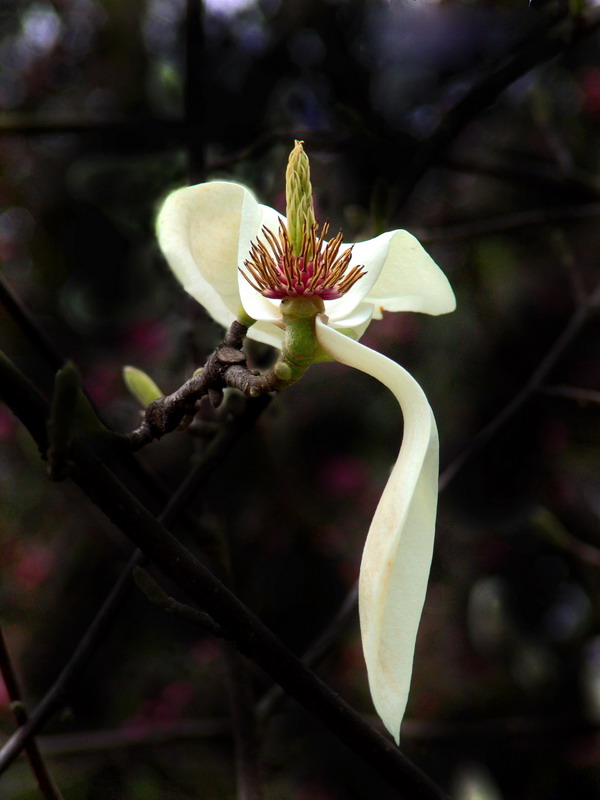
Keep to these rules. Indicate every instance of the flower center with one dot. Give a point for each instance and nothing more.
(320, 270)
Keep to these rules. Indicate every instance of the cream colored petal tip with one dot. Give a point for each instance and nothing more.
(410, 280)
(397, 555)
(198, 230)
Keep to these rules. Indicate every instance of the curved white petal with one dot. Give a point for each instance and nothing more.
(372, 255)
(255, 305)
(267, 333)
(199, 229)
(397, 554)
(357, 320)
(410, 280)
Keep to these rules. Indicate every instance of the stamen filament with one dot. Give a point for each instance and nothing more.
(320, 270)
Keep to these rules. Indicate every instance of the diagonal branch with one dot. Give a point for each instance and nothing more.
(574, 325)
(552, 41)
(57, 695)
(46, 785)
(251, 636)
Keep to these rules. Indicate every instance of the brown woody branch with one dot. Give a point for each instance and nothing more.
(226, 367)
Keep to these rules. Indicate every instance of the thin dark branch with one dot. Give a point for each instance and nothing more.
(551, 41)
(35, 335)
(251, 636)
(246, 741)
(58, 693)
(317, 651)
(127, 134)
(158, 597)
(552, 529)
(506, 222)
(572, 393)
(82, 742)
(519, 168)
(569, 263)
(540, 373)
(148, 485)
(47, 787)
(415, 730)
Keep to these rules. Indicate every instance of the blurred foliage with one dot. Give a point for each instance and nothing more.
(98, 124)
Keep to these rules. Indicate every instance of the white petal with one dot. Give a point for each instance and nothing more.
(267, 333)
(397, 555)
(199, 230)
(255, 305)
(372, 255)
(410, 280)
(357, 321)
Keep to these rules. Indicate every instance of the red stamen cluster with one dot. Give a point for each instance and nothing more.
(320, 269)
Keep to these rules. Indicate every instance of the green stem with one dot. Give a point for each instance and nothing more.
(300, 346)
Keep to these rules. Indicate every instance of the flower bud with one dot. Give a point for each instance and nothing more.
(141, 386)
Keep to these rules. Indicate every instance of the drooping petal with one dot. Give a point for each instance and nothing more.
(199, 229)
(410, 280)
(398, 550)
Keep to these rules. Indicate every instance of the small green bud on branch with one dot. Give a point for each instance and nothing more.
(141, 386)
(62, 420)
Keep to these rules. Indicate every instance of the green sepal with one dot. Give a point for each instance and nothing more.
(300, 348)
(146, 583)
(244, 319)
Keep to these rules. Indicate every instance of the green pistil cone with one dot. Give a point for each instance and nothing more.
(298, 195)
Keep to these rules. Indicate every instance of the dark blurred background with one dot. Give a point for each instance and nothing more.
(475, 125)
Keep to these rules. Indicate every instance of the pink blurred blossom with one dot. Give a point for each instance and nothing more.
(101, 382)
(554, 436)
(4, 698)
(392, 329)
(590, 86)
(7, 424)
(314, 791)
(343, 476)
(205, 652)
(166, 709)
(32, 565)
(147, 339)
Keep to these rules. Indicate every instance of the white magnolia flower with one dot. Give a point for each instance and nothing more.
(234, 256)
